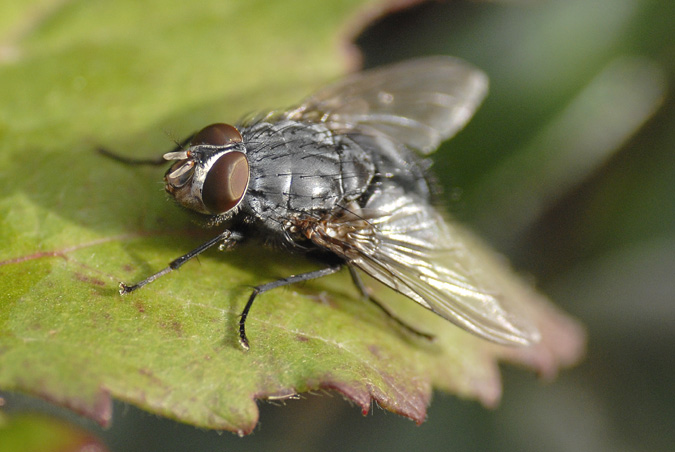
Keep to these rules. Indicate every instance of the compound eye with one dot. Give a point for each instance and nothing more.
(217, 135)
(226, 182)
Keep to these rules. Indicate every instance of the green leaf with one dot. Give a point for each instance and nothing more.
(37, 433)
(73, 224)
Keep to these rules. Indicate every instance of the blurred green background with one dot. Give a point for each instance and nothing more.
(568, 169)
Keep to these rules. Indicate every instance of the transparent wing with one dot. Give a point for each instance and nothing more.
(419, 102)
(405, 244)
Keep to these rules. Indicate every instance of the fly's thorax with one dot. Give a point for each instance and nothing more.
(302, 168)
(212, 175)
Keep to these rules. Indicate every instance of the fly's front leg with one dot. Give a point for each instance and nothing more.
(228, 239)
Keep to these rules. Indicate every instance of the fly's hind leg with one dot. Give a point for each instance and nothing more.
(358, 282)
(243, 340)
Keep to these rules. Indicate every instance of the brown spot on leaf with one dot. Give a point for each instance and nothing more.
(174, 325)
(89, 279)
(177, 327)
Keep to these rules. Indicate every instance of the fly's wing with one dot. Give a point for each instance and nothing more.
(404, 243)
(398, 238)
(419, 102)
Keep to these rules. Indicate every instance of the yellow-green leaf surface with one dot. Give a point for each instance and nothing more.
(39, 433)
(133, 76)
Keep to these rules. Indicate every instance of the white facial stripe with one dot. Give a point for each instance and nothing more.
(187, 166)
(178, 155)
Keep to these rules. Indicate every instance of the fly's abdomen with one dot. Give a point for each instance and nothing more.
(301, 169)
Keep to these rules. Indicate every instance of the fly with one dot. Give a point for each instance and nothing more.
(344, 176)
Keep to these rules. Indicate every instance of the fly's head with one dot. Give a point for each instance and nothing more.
(211, 175)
